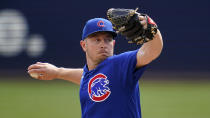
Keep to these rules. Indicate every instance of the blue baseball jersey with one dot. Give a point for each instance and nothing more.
(111, 90)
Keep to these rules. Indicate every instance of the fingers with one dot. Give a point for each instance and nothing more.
(45, 71)
(143, 21)
(41, 63)
(142, 18)
(41, 77)
(41, 71)
(37, 65)
(37, 68)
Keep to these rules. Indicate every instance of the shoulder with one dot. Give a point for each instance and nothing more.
(124, 55)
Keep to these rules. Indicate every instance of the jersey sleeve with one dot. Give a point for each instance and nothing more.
(125, 63)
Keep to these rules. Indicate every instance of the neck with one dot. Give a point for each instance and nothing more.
(91, 65)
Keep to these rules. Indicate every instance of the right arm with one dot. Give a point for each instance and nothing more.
(70, 74)
(48, 71)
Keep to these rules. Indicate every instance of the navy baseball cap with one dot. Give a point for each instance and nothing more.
(98, 25)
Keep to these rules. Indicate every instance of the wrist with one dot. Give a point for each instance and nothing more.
(58, 72)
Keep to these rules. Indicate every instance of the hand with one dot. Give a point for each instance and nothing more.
(45, 71)
(143, 21)
(137, 27)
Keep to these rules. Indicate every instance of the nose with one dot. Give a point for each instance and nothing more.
(103, 44)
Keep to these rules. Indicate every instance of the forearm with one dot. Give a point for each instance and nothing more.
(46, 71)
(72, 75)
(150, 50)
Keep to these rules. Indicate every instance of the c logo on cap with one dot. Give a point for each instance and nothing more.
(100, 23)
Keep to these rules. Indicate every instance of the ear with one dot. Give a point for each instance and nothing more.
(83, 45)
(113, 43)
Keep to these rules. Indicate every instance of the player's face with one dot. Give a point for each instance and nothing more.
(98, 46)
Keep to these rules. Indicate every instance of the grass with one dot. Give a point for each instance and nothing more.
(39, 99)
(175, 99)
(60, 99)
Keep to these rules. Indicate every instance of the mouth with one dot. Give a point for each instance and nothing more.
(103, 52)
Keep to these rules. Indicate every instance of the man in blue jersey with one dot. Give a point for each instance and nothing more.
(109, 85)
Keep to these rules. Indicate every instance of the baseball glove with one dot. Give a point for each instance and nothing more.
(127, 23)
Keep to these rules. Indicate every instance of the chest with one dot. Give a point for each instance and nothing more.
(102, 85)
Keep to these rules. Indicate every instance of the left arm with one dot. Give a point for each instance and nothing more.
(149, 51)
(138, 28)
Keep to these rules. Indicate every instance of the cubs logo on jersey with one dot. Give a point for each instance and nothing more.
(98, 88)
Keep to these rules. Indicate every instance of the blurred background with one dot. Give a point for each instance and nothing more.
(176, 85)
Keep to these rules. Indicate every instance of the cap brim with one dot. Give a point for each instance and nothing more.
(113, 33)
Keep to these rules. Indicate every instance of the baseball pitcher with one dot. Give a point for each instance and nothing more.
(109, 86)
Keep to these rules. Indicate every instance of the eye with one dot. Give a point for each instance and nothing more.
(97, 40)
(108, 39)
